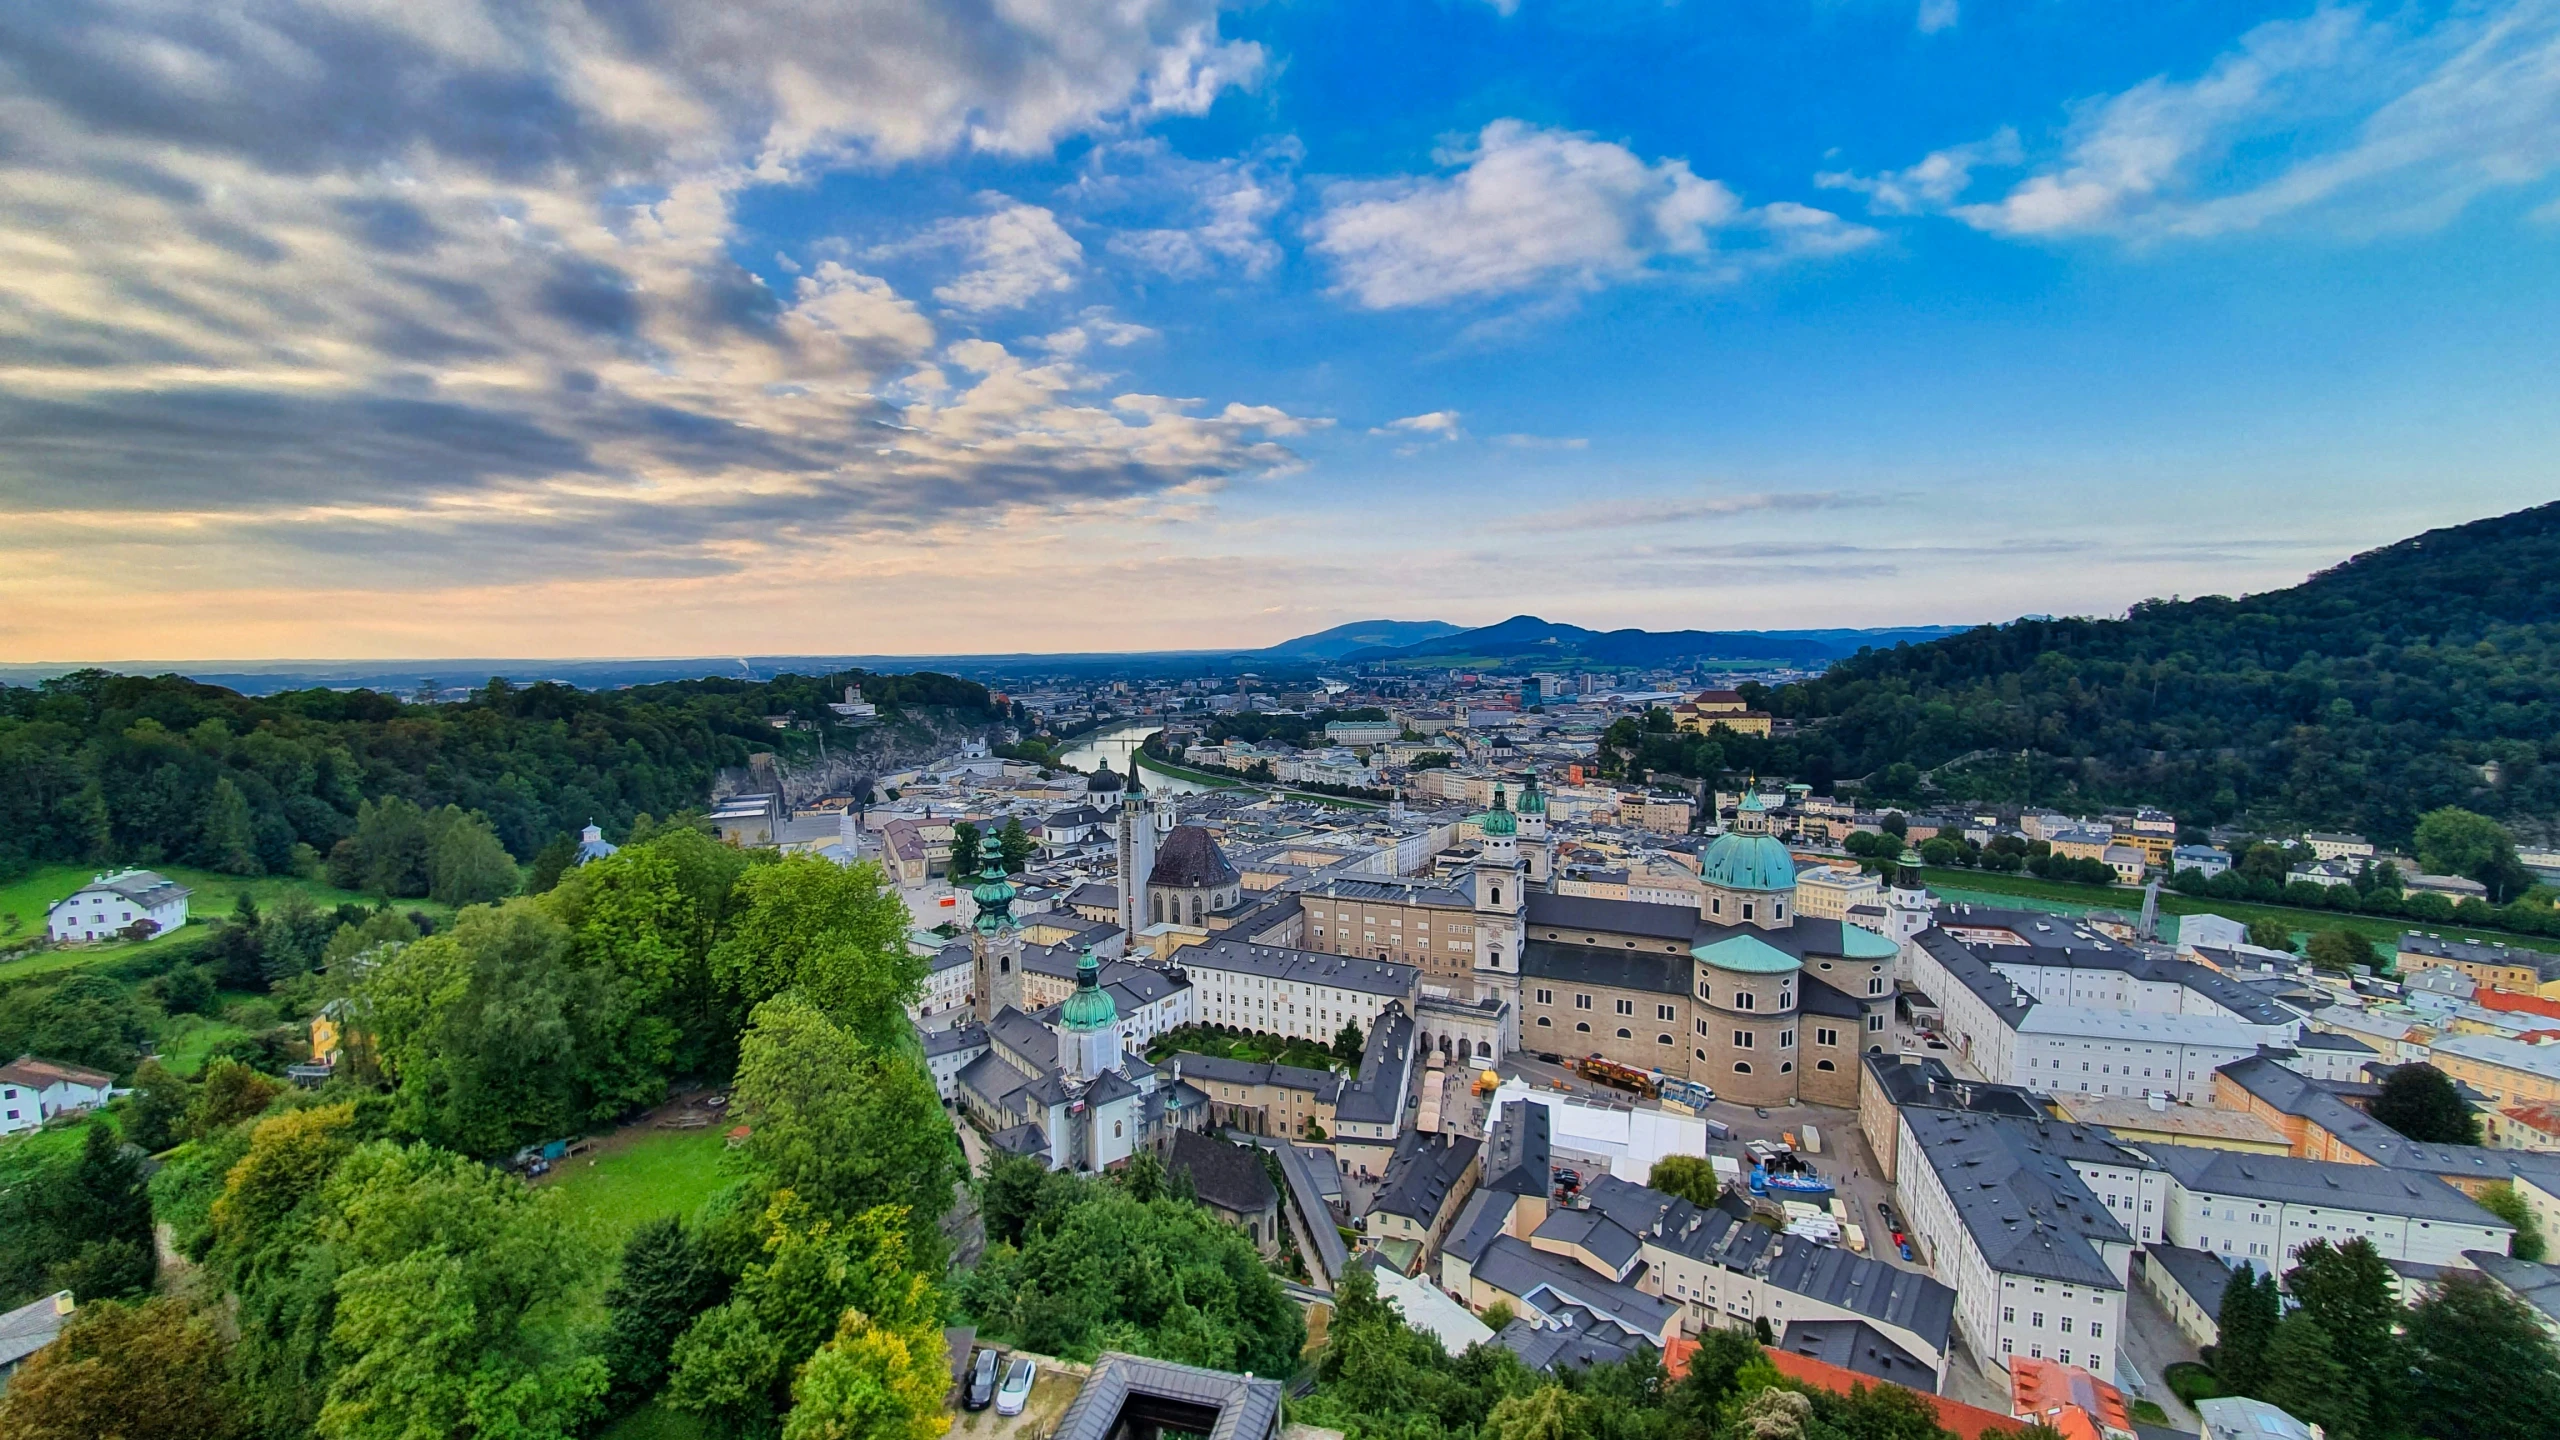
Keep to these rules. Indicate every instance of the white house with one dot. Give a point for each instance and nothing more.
(101, 909)
(2265, 1207)
(31, 1090)
(2034, 1223)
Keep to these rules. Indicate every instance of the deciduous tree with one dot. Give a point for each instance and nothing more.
(842, 1125)
(872, 1382)
(150, 1371)
(836, 934)
(2420, 1101)
(1688, 1176)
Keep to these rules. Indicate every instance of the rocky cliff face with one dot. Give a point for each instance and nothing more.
(900, 741)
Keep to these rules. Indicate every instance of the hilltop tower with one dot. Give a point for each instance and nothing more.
(1537, 847)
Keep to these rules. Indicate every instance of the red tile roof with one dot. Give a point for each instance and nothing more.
(1969, 1422)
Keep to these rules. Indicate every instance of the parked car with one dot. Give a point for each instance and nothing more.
(1016, 1391)
(982, 1380)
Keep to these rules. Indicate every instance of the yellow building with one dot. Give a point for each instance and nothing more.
(2499, 967)
(1826, 892)
(1707, 709)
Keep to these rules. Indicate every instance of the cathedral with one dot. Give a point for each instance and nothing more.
(1739, 993)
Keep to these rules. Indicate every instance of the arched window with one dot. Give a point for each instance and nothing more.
(1004, 964)
(1786, 1067)
(1741, 1067)
(1195, 909)
(1584, 1026)
(1662, 1039)
(1623, 1035)
(1497, 896)
(1484, 1049)
(1824, 1065)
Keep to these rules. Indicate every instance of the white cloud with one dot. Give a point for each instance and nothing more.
(1216, 214)
(1018, 253)
(1534, 210)
(1936, 15)
(1529, 208)
(2338, 118)
(1544, 442)
(1443, 423)
(1934, 183)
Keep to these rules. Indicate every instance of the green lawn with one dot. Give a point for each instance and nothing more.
(665, 1172)
(1991, 887)
(187, 1041)
(30, 895)
(1252, 1049)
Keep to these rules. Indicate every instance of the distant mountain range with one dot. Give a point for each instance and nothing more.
(1341, 640)
(1528, 639)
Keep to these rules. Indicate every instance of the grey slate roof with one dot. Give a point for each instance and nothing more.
(31, 1327)
(1026, 1138)
(2284, 1179)
(2535, 1285)
(1514, 1267)
(1518, 1156)
(1930, 1085)
(1593, 1231)
(1223, 1406)
(1478, 1222)
(1599, 965)
(2200, 1273)
(1422, 1172)
(1856, 1345)
(1581, 1339)
(1227, 1176)
(1860, 1285)
(2546, 967)
(1306, 1191)
(938, 1043)
(2022, 1204)
(1094, 894)
(1190, 859)
(1594, 915)
(145, 888)
(1279, 962)
(1376, 1096)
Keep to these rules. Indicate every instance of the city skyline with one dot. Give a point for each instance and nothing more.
(558, 333)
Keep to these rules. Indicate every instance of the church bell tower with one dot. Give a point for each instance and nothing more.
(995, 942)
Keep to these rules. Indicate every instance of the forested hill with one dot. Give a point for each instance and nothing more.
(102, 768)
(2422, 674)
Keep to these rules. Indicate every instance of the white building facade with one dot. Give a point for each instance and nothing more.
(106, 906)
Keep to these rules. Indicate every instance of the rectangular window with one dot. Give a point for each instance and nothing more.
(1546, 997)
(1581, 1002)
(1823, 1035)
(1662, 1012)
(1626, 1007)
(1742, 1039)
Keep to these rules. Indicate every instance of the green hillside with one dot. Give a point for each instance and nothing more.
(2423, 674)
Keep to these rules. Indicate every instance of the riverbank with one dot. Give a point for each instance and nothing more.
(1215, 781)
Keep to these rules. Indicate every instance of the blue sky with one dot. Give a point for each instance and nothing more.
(333, 328)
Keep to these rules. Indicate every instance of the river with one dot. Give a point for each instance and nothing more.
(1116, 745)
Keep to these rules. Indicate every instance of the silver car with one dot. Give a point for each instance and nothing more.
(1016, 1390)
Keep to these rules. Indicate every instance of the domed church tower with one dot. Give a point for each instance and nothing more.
(1748, 876)
(1537, 847)
(1089, 1024)
(995, 941)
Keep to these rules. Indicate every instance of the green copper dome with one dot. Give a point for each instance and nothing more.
(994, 893)
(1533, 801)
(1738, 861)
(1498, 820)
(1090, 1007)
(1746, 955)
